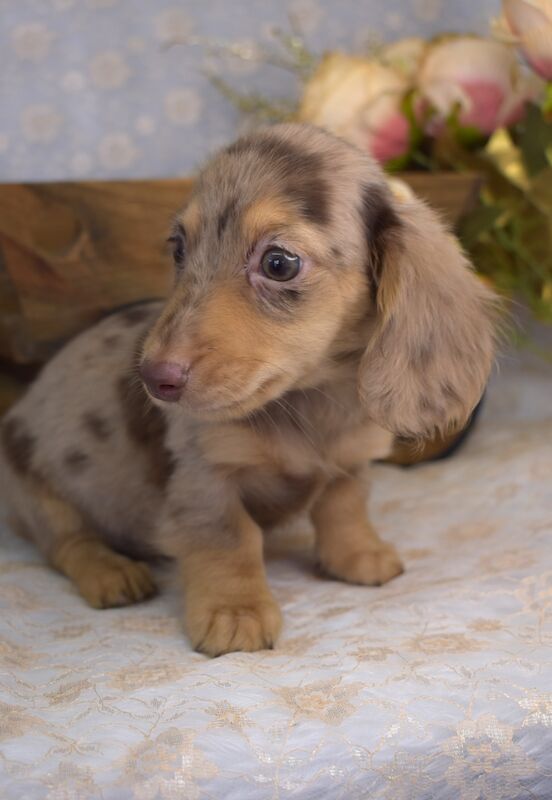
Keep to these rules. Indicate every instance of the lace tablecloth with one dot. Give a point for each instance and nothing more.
(436, 686)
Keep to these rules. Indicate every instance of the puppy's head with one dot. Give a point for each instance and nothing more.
(293, 255)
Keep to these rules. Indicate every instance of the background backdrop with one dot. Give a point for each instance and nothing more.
(90, 88)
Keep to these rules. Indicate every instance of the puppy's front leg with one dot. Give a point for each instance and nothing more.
(347, 545)
(228, 605)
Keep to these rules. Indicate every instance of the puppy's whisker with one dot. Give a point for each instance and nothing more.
(297, 420)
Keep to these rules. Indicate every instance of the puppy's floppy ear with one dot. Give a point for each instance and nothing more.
(431, 345)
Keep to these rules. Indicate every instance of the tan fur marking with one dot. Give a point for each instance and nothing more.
(274, 215)
(269, 213)
(227, 310)
(347, 545)
(191, 220)
(350, 450)
(232, 447)
(104, 578)
(228, 605)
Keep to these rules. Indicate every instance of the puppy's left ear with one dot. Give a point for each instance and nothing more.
(431, 345)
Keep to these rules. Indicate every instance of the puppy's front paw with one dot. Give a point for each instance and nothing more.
(114, 581)
(375, 564)
(242, 623)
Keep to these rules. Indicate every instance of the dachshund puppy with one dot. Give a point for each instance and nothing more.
(314, 315)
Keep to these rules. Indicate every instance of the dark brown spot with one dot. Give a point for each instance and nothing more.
(450, 392)
(286, 496)
(146, 426)
(76, 460)
(279, 300)
(112, 340)
(178, 242)
(97, 425)
(277, 151)
(291, 295)
(18, 444)
(20, 527)
(425, 404)
(311, 194)
(422, 354)
(336, 252)
(138, 549)
(381, 223)
(227, 213)
(134, 315)
(301, 173)
(297, 171)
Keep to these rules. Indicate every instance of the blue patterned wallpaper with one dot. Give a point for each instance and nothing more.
(89, 88)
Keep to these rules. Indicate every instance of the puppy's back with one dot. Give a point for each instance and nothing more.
(72, 431)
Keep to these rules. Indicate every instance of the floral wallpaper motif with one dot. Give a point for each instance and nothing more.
(90, 88)
(434, 687)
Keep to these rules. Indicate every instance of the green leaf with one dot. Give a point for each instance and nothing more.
(476, 223)
(466, 135)
(540, 192)
(547, 105)
(534, 135)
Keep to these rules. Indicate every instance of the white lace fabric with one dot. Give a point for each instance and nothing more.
(434, 687)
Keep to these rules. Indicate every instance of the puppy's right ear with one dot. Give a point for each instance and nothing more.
(432, 342)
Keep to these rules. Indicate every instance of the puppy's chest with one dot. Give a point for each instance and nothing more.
(271, 495)
(321, 444)
(281, 444)
(281, 462)
(285, 469)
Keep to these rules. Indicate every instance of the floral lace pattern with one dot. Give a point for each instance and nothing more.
(436, 686)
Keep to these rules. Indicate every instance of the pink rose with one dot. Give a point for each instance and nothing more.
(530, 23)
(478, 77)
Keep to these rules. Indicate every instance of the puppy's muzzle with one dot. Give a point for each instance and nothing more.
(165, 380)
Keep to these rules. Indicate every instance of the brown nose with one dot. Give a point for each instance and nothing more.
(165, 380)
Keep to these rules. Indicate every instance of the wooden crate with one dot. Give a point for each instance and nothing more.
(71, 251)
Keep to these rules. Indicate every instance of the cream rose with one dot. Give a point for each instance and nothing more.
(360, 100)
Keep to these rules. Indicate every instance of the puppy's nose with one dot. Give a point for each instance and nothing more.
(165, 380)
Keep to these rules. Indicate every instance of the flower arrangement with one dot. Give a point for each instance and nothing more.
(460, 103)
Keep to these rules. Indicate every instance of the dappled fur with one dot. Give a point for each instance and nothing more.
(292, 388)
(431, 349)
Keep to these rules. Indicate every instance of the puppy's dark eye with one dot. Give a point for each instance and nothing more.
(178, 244)
(279, 265)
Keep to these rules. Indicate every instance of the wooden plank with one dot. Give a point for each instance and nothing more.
(452, 194)
(71, 251)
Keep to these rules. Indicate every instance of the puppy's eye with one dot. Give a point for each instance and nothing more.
(279, 265)
(178, 244)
